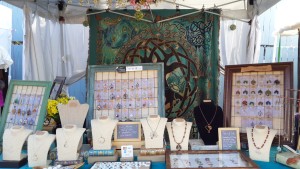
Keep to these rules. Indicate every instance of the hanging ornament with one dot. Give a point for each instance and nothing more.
(138, 15)
(85, 23)
(232, 27)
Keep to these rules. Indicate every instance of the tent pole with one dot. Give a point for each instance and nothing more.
(224, 16)
(172, 2)
(206, 10)
(298, 71)
(94, 13)
(146, 20)
(164, 20)
(151, 13)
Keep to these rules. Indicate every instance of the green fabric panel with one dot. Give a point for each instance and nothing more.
(187, 46)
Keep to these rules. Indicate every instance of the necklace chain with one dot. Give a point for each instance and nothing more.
(178, 146)
(36, 148)
(153, 133)
(67, 138)
(208, 127)
(264, 140)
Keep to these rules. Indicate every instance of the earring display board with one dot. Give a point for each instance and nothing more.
(25, 105)
(126, 92)
(254, 95)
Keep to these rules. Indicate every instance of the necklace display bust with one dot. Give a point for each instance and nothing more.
(13, 140)
(260, 138)
(102, 131)
(208, 117)
(68, 139)
(38, 148)
(179, 132)
(154, 127)
(73, 113)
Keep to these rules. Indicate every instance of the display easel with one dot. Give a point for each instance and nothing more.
(128, 133)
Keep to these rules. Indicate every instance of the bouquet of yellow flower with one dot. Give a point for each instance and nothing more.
(52, 106)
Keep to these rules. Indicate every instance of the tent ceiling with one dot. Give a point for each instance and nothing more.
(75, 11)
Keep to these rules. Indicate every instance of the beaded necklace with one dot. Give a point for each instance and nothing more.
(178, 146)
(264, 140)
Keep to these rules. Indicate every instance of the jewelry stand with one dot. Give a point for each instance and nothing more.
(260, 139)
(179, 132)
(102, 131)
(38, 148)
(69, 140)
(154, 149)
(73, 113)
(13, 141)
(208, 117)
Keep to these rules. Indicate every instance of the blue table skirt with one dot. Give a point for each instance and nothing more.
(161, 165)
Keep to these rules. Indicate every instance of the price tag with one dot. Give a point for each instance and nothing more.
(127, 151)
(134, 68)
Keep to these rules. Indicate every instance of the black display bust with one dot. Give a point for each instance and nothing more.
(208, 117)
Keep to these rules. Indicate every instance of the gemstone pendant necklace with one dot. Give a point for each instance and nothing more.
(178, 146)
(101, 140)
(208, 127)
(153, 134)
(264, 140)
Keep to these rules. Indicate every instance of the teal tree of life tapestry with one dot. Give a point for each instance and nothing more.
(188, 47)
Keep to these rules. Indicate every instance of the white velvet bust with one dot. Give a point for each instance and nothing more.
(153, 128)
(102, 130)
(179, 132)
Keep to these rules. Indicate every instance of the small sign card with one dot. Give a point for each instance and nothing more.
(128, 131)
(127, 151)
(229, 138)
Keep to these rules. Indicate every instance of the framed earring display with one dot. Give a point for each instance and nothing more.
(25, 105)
(254, 95)
(57, 86)
(209, 159)
(126, 92)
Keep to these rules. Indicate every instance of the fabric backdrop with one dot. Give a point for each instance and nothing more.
(187, 46)
(52, 49)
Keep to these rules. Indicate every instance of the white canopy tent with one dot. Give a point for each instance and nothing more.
(288, 24)
(53, 49)
(74, 10)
